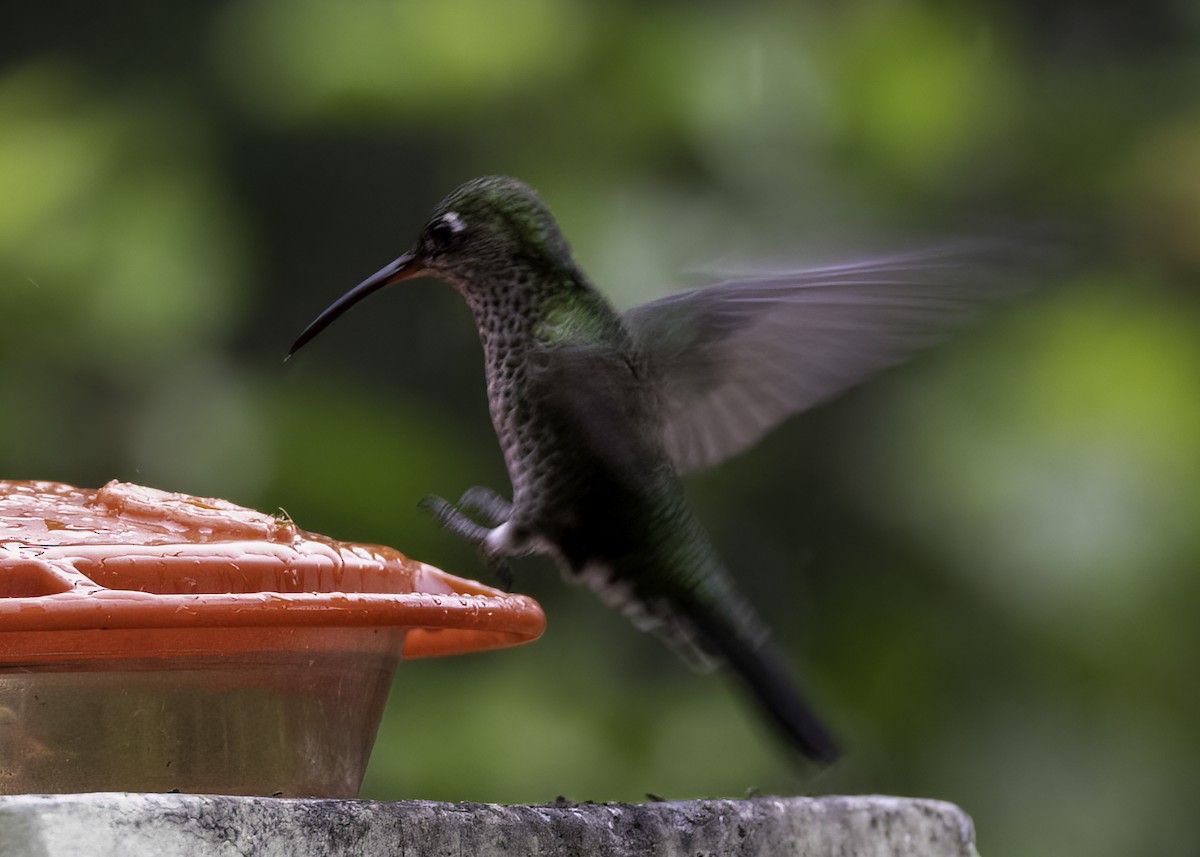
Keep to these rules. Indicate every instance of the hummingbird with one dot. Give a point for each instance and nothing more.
(599, 413)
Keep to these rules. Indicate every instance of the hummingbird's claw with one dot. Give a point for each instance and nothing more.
(434, 505)
(437, 507)
(502, 571)
(451, 518)
(493, 508)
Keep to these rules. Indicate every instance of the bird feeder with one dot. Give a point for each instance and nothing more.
(152, 641)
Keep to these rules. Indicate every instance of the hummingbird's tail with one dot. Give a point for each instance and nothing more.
(710, 623)
(758, 664)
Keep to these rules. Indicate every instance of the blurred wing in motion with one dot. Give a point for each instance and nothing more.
(737, 358)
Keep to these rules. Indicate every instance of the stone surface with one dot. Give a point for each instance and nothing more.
(132, 825)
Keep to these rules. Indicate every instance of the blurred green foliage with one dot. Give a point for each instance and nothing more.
(985, 561)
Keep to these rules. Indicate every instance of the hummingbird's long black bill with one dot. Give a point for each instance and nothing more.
(405, 267)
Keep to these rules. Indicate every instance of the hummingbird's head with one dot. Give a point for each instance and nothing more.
(490, 233)
(488, 228)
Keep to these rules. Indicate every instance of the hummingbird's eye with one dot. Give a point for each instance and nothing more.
(445, 231)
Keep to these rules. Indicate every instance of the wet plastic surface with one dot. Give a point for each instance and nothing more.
(153, 641)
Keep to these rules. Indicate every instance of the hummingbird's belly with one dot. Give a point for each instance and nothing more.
(586, 465)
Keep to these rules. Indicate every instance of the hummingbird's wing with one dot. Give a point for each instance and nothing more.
(737, 358)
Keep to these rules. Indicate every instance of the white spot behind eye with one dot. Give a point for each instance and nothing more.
(453, 222)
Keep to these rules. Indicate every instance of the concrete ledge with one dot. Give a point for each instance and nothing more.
(132, 825)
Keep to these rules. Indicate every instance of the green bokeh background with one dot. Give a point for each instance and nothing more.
(983, 563)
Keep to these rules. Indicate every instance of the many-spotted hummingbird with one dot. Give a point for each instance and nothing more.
(599, 412)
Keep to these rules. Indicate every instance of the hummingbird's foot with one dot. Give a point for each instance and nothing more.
(492, 508)
(453, 519)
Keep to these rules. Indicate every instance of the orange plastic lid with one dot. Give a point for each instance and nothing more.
(81, 568)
